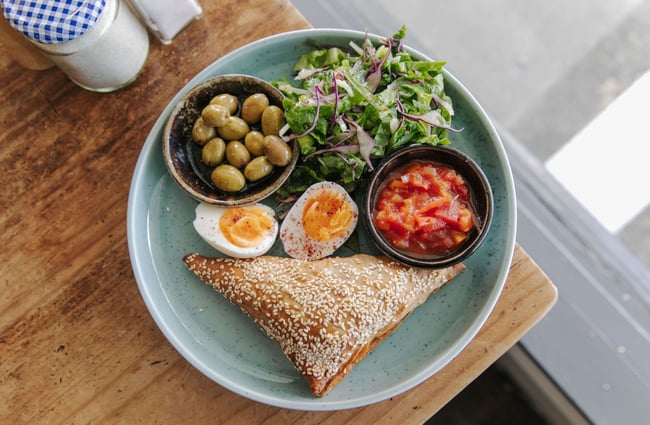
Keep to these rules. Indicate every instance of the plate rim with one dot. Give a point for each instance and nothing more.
(317, 404)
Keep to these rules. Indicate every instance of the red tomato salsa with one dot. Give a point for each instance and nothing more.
(425, 209)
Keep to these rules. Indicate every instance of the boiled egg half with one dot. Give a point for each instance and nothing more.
(319, 222)
(240, 232)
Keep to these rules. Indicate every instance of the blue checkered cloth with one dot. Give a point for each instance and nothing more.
(52, 21)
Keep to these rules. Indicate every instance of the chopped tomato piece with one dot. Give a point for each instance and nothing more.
(433, 205)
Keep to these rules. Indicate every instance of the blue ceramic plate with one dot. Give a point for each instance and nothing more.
(226, 345)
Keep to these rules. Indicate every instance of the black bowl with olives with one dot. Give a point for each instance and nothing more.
(222, 142)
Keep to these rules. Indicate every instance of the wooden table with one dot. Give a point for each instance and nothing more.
(78, 344)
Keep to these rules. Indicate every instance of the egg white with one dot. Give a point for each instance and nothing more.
(297, 243)
(206, 223)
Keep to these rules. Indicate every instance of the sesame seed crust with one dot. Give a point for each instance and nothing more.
(327, 314)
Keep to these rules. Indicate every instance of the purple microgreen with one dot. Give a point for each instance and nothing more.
(356, 67)
(340, 147)
(432, 118)
(283, 133)
(335, 90)
(439, 102)
(348, 160)
(366, 143)
(305, 73)
(317, 92)
(373, 79)
(400, 45)
(343, 149)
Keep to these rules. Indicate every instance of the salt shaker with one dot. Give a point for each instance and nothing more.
(166, 18)
(99, 44)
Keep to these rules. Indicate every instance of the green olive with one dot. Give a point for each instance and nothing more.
(272, 120)
(252, 107)
(257, 169)
(213, 152)
(215, 115)
(227, 178)
(237, 155)
(201, 132)
(235, 129)
(277, 151)
(254, 142)
(227, 100)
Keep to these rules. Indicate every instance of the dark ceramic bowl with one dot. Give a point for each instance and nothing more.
(182, 155)
(480, 194)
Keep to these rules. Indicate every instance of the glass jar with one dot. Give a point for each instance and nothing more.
(99, 44)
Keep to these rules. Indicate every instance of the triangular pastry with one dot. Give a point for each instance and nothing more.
(326, 315)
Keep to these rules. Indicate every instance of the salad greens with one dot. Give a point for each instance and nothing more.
(350, 108)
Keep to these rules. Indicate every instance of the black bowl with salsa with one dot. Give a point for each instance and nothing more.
(428, 206)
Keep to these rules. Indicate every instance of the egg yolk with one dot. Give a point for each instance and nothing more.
(326, 215)
(245, 227)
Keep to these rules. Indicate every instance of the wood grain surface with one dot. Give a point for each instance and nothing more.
(78, 344)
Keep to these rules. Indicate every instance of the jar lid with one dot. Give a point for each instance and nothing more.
(52, 21)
